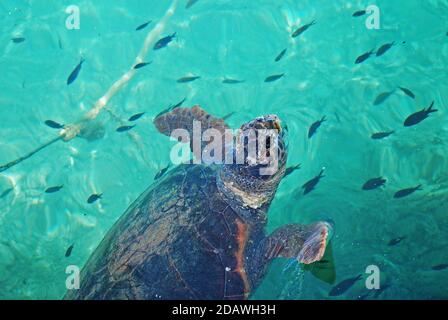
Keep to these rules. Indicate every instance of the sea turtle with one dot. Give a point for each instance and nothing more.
(199, 232)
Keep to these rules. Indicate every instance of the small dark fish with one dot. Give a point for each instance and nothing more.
(381, 135)
(337, 117)
(406, 192)
(408, 92)
(291, 169)
(395, 241)
(374, 183)
(54, 124)
(6, 192)
(190, 3)
(384, 48)
(382, 97)
(310, 185)
(69, 251)
(161, 172)
(359, 13)
(187, 79)
(18, 40)
(141, 65)
(419, 116)
(143, 26)
(137, 116)
(364, 296)
(164, 41)
(72, 77)
(94, 197)
(171, 108)
(280, 55)
(60, 43)
(227, 116)
(124, 128)
(163, 111)
(302, 29)
(440, 267)
(381, 290)
(343, 286)
(315, 126)
(364, 57)
(179, 104)
(232, 81)
(53, 189)
(274, 77)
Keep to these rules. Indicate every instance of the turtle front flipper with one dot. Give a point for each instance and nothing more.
(309, 244)
(187, 119)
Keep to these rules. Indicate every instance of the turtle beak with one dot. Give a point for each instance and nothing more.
(273, 122)
(277, 125)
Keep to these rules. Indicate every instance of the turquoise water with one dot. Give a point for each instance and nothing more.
(236, 39)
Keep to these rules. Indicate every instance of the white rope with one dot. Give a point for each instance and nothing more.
(71, 131)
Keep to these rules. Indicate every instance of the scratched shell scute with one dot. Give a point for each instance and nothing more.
(218, 40)
(149, 231)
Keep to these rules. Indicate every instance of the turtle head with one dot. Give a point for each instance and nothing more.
(259, 160)
(261, 146)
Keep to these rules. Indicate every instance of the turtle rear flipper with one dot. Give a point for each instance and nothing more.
(309, 244)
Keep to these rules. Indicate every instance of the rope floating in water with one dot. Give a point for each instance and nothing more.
(73, 130)
(29, 155)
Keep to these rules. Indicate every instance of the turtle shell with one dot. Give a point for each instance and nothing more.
(178, 240)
